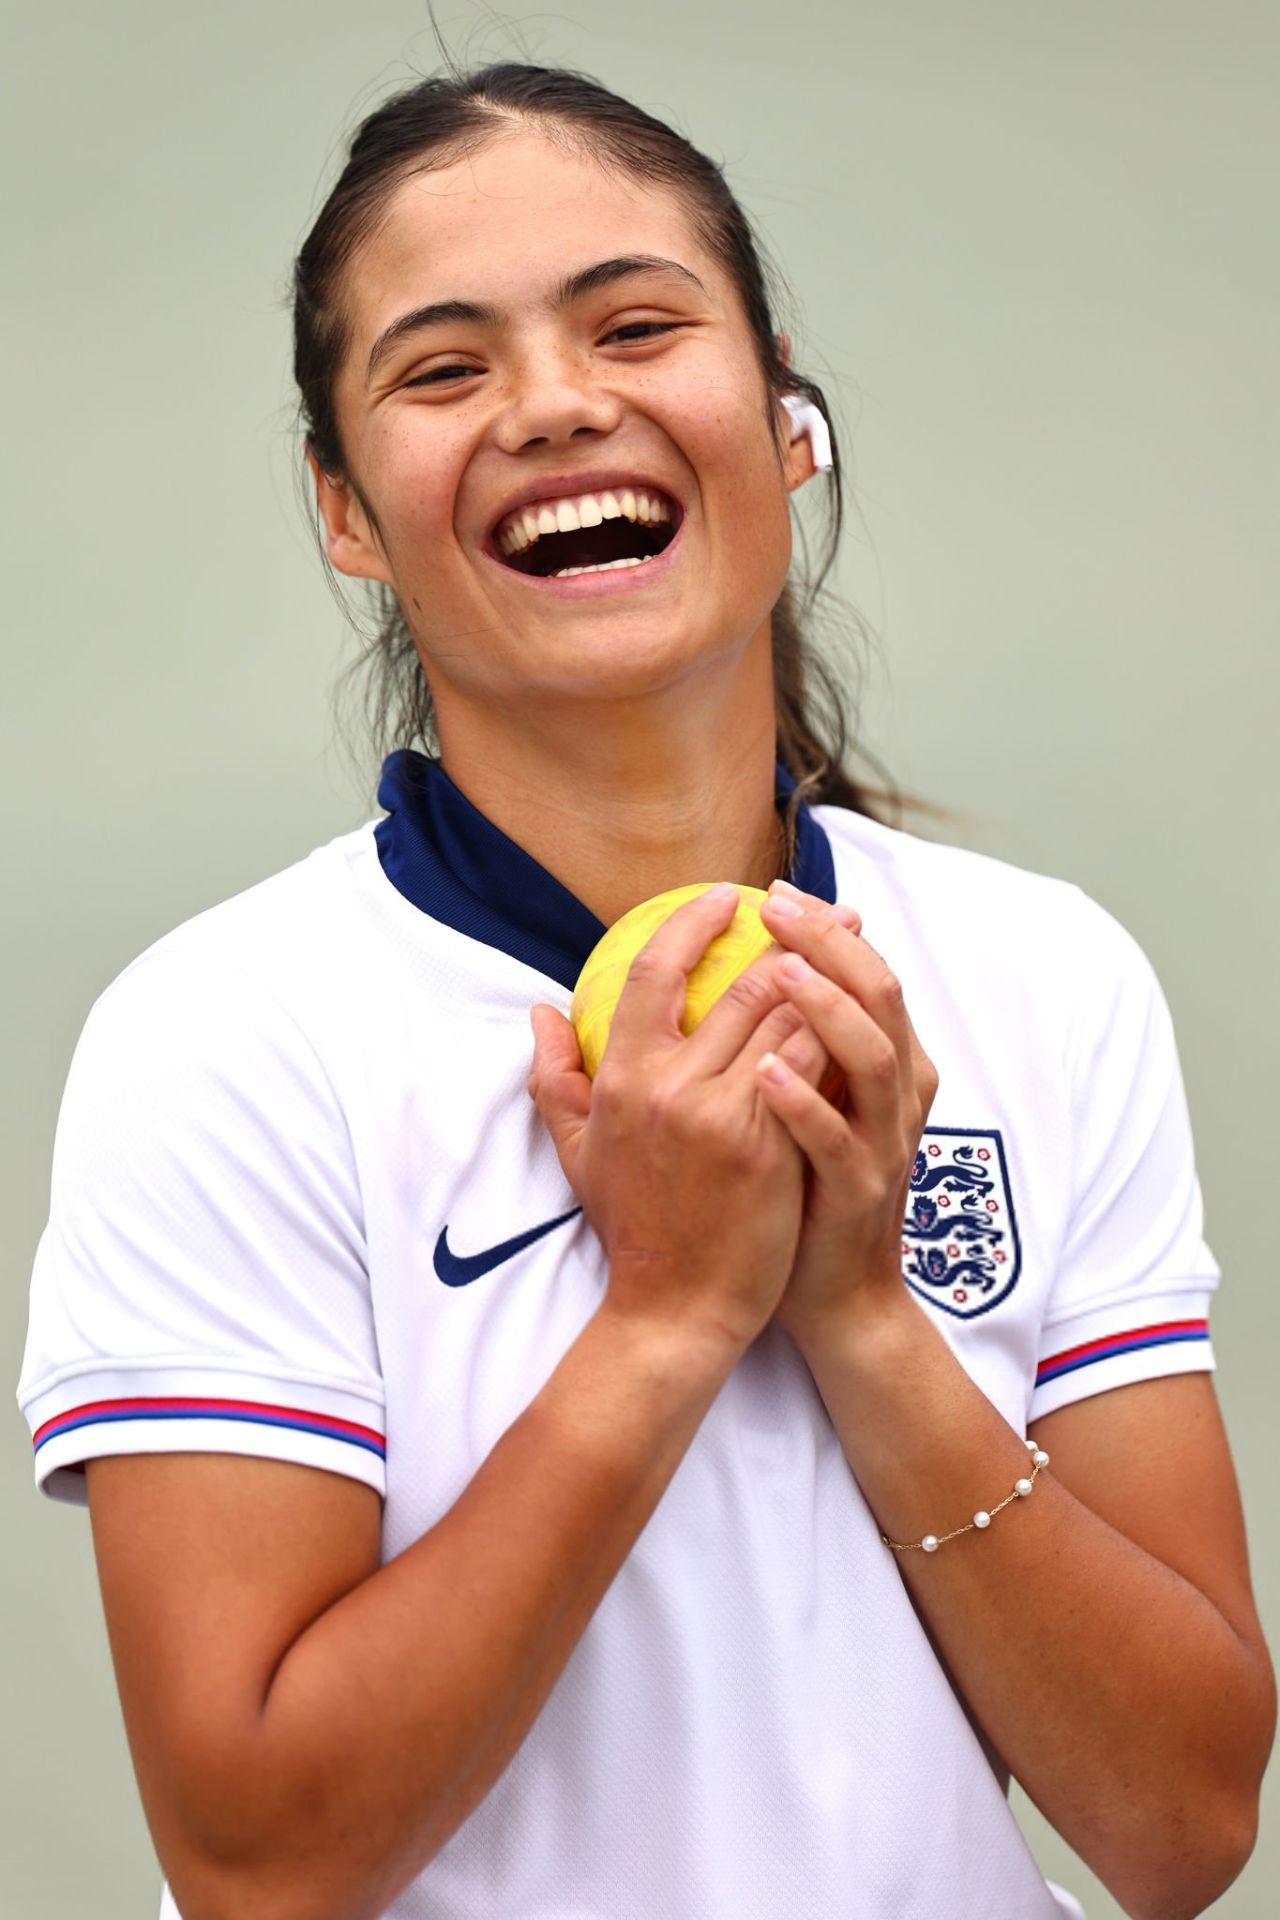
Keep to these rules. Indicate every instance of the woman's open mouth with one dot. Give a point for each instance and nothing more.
(615, 531)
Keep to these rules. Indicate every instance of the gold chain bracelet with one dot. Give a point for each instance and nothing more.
(982, 1518)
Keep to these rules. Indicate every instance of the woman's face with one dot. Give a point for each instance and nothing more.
(549, 372)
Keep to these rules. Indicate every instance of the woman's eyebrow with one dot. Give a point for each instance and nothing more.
(605, 272)
(586, 280)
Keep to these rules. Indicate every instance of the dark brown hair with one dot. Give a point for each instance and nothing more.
(441, 120)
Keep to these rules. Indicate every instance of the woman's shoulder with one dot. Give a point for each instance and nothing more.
(902, 856)
(283, 941)
(996, 925)
(944, 875)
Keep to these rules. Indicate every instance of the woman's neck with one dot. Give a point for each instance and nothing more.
(618, 809)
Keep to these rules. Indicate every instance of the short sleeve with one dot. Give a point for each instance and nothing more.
(1134, 1277)
(202, 1283)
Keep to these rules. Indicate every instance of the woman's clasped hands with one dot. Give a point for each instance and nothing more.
(861, 1147)
(758, 1167)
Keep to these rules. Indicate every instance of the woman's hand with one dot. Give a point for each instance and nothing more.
(693, 1185)
(861, 1148)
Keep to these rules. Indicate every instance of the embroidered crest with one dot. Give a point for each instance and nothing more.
(960, 1245)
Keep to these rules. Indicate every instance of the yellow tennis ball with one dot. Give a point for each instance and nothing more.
(605, 974)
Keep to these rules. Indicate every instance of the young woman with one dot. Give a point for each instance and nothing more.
(517, 1494)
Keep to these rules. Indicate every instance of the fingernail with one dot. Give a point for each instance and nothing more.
(845, 915)
(771, 1068)
(723, 890)
(785, 885)
(786, 909)
(796, 968)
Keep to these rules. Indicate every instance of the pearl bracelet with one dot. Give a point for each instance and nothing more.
(1021, 1488)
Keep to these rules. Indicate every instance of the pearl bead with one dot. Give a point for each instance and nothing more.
(1040, 1457)
(930, 1543)
(981, 1519)
(1030, 1445)
(1022, 1486)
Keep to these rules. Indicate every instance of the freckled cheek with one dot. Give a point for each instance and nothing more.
(722, 435)
(750, 521)
(419, 489)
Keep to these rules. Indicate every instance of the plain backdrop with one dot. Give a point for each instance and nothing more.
(1033, 253)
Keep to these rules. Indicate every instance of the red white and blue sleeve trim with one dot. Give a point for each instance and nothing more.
(1158, 1347)
(168, 1422)
(166, 1407)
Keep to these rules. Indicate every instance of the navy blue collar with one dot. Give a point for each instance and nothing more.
(448, 859)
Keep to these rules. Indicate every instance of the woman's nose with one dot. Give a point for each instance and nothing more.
(551, 398)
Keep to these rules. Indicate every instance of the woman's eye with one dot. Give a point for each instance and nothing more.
(635, 329)
(436, 376)
(644, 326)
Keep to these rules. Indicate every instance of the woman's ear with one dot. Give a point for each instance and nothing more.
(350, 540)
(797, 460)
(807, 438)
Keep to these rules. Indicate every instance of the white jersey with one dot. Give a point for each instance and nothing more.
(303, 1207)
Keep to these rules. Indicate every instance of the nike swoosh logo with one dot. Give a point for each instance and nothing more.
(457, 1269)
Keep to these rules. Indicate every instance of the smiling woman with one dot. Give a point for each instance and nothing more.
(517, 178)
(504, 1481)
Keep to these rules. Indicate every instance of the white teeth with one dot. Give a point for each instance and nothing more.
(606, 566)
(527, 524)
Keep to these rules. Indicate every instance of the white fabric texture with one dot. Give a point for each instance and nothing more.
(205, 1241)
(274, 1112)
(1134, 1253)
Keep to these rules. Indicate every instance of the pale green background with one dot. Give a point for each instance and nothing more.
(1034, 249)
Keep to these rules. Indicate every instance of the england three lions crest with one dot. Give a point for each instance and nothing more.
(960, 1246)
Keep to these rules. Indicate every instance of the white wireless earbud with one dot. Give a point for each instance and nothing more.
(809, 420)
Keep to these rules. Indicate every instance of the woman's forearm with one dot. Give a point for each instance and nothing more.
(393, 1714)
(1117, 1694)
